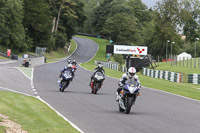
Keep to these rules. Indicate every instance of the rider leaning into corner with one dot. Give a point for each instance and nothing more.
(69, 68)
(131, 74)
(99, 68)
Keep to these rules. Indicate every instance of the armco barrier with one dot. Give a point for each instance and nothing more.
(171, 76)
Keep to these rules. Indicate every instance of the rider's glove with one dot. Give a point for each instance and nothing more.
(120, 84)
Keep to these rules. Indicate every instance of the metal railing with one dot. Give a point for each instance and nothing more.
(111, 65)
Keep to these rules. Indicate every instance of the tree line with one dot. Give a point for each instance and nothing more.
(130, 22)
(26, 24)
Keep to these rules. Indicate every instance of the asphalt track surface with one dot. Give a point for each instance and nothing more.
(154, 112)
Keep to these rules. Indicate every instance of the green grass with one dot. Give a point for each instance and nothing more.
(32, 114)
(2, 129)
(184, 89)
(186, 70)
(60, 53)
(1, 57)
(27, 71)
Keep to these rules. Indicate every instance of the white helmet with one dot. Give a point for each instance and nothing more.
(131, 72)
(69, 66)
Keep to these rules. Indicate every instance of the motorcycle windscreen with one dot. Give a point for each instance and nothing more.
(99, 76)
(131, 85)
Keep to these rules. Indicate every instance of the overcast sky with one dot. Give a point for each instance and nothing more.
(150, 3)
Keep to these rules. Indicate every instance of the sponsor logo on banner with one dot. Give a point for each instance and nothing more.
(136, 50)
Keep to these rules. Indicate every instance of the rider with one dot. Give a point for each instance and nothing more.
(131, 74)
(74, 64)
(99, 68)
(69, 68)
(69, 61)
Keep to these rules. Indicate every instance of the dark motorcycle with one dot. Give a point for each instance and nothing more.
(128, 96)
(97, 82)
(66, 78)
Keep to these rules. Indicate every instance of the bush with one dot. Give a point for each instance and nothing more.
(61, 40)
(118, 58)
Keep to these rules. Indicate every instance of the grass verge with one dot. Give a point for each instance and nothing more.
(32, 114)
(1, 57)
(184, 89)
(60, 53)
(186, 69)
(27, 71)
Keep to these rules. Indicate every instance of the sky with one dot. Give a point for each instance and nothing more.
(150, 3)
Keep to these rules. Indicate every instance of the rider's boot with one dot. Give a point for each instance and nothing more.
(117, 96)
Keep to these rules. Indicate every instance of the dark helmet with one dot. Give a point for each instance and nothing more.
(69, 60)
(100, 66)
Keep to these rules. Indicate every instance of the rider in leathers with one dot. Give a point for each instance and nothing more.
(69, 67)
(129, 75)
(97, 69)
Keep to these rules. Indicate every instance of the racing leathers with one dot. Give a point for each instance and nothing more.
(95, 71)
(122, 82)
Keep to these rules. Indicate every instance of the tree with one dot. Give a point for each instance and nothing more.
(109, 8)
(12, 33)
(122, 29)
(167, 20)
(190, 15)
(38, 23)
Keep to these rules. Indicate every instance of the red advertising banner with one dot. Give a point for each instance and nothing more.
(8, 52)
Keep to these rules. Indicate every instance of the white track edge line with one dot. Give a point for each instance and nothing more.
(73, 125)
(22, 72)
(37, 97)
(15, 91)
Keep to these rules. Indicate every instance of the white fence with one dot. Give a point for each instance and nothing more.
(111, 65)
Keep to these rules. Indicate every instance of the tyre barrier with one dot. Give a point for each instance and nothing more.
(171, 76)
(194, 78)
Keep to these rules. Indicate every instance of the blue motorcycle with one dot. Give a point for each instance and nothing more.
(128, 96)
(66, 78)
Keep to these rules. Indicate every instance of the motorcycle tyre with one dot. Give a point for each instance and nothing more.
(64, 85)
(96, 88)
(129, 102)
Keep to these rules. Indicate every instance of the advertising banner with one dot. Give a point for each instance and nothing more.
(136, 50)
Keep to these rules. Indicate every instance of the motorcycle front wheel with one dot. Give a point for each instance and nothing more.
(64, 85)
(96, 88)
(128, 104)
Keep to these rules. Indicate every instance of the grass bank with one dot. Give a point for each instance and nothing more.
(166, 66)
(32, 114)
(184, 89)
(60, 53)
(1, 57)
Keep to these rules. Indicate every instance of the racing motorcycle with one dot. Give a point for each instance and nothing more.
(74, 67)
(97, 82)
(66, 78)
(128, 95)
